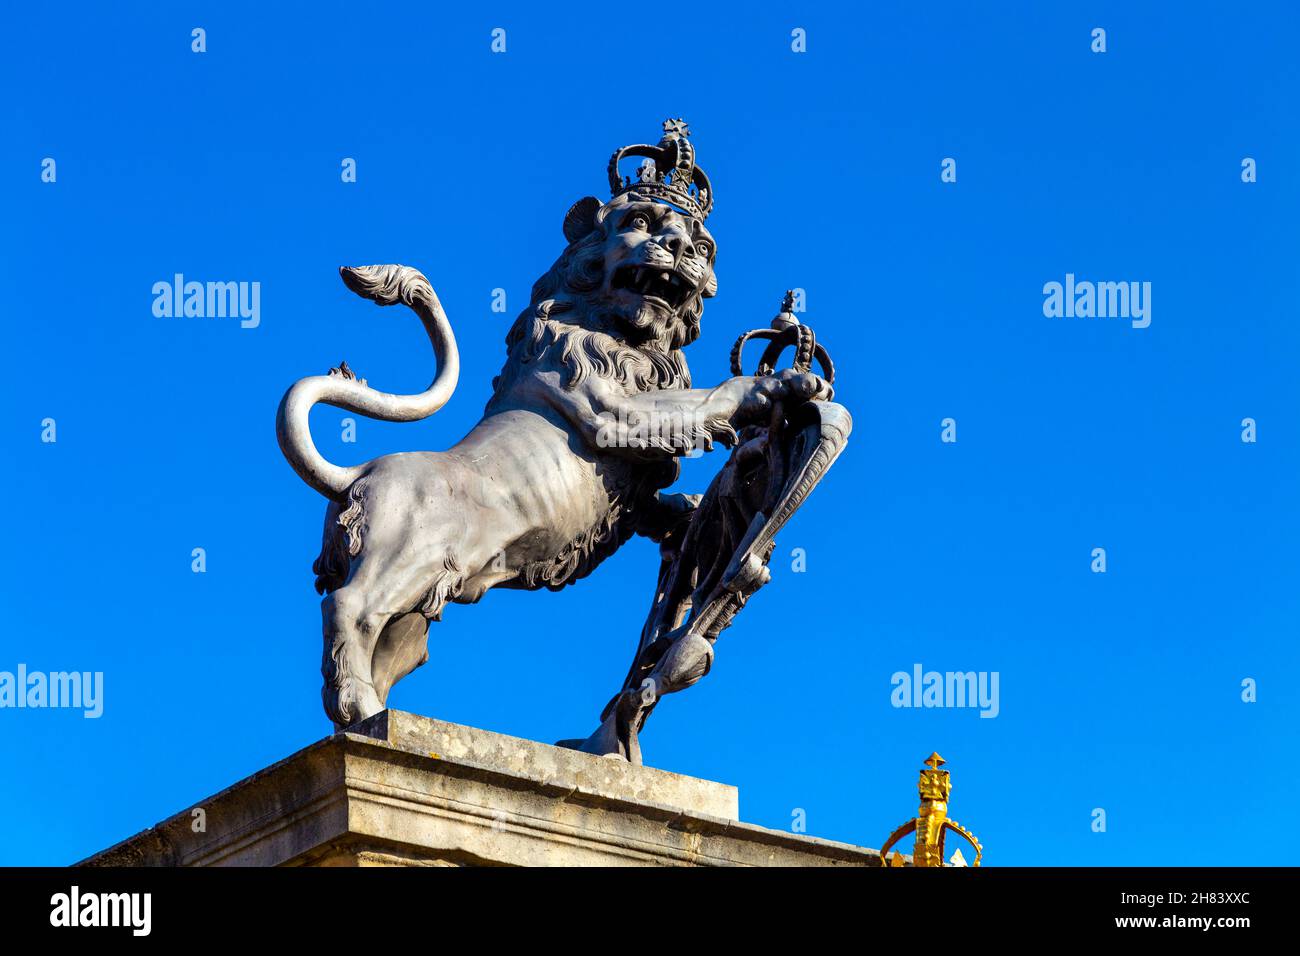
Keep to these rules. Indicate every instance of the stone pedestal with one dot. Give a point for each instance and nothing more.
(403, 790)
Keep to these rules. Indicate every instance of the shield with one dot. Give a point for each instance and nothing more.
(716, 556)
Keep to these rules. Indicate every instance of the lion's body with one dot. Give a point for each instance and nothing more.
(519, 502)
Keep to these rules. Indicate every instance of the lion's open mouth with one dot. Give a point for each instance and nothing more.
(652, 282)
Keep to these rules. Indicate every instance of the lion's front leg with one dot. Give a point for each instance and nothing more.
(682, 421)
(661, 424)
(676, 422)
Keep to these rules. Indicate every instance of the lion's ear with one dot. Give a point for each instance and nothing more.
(581, 218)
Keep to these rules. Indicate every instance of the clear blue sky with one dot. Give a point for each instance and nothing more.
(1119, 691)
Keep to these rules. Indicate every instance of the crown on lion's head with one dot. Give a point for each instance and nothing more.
(627, 292)
(667, 172)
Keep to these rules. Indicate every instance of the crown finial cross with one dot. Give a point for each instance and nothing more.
(676, 127)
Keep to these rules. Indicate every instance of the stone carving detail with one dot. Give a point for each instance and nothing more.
(588, 417)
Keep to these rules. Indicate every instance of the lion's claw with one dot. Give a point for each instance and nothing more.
(790, 386)
(805, 385)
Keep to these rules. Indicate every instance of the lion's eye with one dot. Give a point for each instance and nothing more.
(703, 249)
(639, 222)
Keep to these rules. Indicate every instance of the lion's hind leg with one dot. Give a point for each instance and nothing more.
(355, 617)
(351, 629)
(376, 630)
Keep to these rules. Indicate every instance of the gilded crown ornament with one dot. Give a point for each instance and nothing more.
(669, 173)
(931, 823)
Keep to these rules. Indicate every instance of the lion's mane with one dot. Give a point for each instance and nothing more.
(563, 320)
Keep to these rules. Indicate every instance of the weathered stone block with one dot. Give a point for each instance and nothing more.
(403, 790)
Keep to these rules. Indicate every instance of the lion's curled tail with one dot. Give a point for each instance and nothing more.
(386, 285)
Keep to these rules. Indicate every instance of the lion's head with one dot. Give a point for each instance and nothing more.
(623, 298)
(646, 269)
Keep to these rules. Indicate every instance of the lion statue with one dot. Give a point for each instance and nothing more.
(588, 416)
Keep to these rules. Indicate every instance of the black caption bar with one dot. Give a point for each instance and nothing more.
(331, 905)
